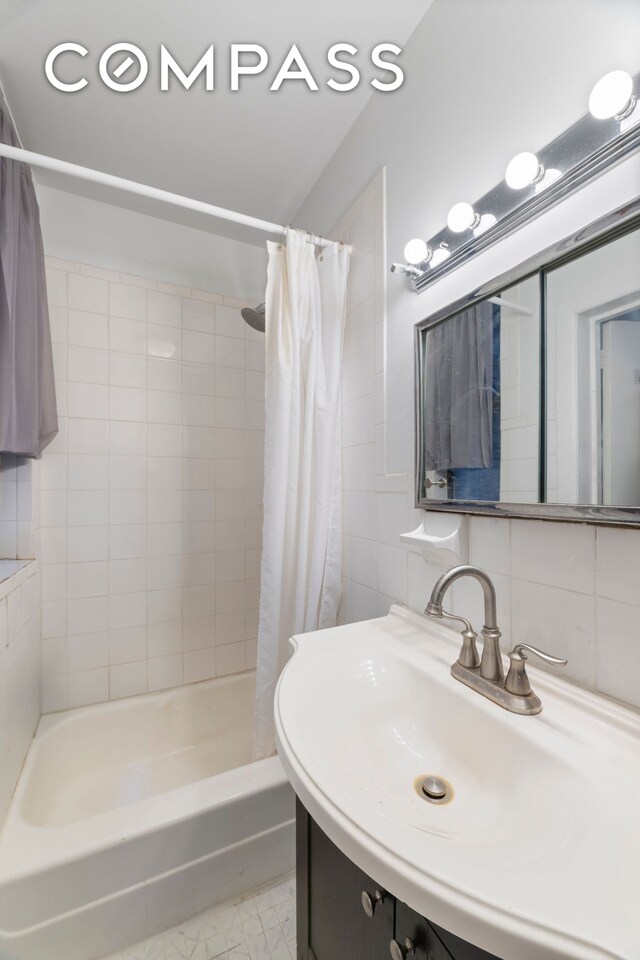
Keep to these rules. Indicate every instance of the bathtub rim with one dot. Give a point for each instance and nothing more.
(27, 848)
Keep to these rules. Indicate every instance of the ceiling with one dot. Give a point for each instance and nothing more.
(253, 151)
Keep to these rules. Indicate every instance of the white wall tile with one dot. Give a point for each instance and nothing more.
(127, 336)
(127, 540)
(88, 686)
(165, 672)
(618, 563)
(88, 400)
(127, 301)
(198, 347)
(88, 651)
(129, 536)
(87, 579)
(127, 370)
(571, 562)
(165, 375)
(88, 329)
(165, 308)
(127, 679)
(230, 658)
(127, 438)
(229, 352)
(87, 615)
(87, 436)
(87, 543)
(164, 639)
(557, 621)
(88, 293)
(198, 632)
(199, 665)
(87, 365)
(128, 645)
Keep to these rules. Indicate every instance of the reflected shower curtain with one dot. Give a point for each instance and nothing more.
(28, 415)
(301, 558)
(458, 391)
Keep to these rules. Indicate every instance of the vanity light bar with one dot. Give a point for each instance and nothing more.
(533, 182)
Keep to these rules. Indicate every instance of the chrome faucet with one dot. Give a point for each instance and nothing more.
(486, 675)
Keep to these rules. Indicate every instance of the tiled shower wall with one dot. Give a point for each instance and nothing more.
(571, 589)
(18, 480)
(19, 672)
(151, 495)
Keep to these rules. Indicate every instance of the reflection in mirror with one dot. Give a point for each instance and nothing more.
(593, 377)
(480, 400)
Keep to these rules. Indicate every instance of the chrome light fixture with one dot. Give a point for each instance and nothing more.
(584, 151)
(612, 96)
(462, 217)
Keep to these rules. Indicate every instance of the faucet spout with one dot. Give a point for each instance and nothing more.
(434, 607)
(491, 664)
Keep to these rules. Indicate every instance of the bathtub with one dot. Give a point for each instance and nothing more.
(131, 816)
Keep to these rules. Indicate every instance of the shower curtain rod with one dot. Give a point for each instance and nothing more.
(143, 190)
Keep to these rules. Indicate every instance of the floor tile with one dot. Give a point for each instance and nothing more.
(260, 926)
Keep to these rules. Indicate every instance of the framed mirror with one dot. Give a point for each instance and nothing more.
(528, 390)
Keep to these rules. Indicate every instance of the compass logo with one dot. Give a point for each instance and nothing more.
(124, 67)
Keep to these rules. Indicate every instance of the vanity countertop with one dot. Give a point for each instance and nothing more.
(535, 856)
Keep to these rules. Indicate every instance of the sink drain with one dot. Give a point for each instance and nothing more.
(434, 789)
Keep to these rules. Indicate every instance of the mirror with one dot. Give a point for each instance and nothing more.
(528, 395)
(593, 377)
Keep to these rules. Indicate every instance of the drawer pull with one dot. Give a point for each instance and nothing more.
(369, 903)
(400, 952)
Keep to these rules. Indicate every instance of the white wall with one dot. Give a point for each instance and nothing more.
(77, 228)
(484, 80)
(568, 588)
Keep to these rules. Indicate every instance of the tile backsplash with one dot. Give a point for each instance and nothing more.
(570, 589)
(151, 495)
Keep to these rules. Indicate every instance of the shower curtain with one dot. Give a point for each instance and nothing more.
(28, 415)
(301, 558)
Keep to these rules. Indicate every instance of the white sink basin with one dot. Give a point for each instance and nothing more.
(536, 856)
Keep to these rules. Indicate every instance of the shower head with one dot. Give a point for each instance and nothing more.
(255, 317)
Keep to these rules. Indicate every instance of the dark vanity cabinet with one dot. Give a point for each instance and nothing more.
(345, 915)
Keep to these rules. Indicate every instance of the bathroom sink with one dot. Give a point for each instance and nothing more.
(534, 854)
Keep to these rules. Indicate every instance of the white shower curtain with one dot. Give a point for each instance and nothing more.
(301, 558)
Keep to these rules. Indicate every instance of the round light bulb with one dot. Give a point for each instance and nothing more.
(487, 220)
(462, 217)
(550, 176)
(439, 256)
(416, 251)
(523, 170)
(612, 95)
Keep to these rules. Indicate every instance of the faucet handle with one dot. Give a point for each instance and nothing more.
(517, 681)
(469, 656)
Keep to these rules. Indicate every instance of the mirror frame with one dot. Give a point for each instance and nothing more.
(607, 228)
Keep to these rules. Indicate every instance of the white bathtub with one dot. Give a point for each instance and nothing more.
(131, 816)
